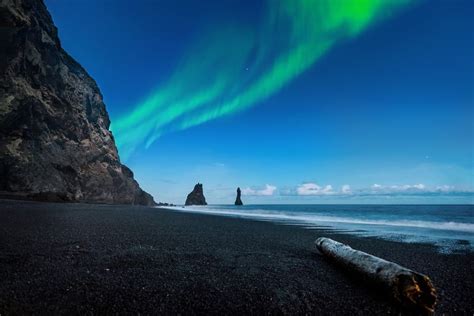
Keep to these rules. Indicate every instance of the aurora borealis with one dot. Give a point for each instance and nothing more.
(336, 101)
(235, 66)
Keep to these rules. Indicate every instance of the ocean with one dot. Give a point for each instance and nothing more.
(449, 227)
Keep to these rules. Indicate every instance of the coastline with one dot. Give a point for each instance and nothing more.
(85, 258)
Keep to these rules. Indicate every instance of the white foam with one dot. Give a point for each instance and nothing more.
(306, 218)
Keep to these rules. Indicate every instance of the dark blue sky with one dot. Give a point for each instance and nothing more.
(392, 106)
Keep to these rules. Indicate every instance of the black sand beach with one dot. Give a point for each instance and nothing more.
(94, 259)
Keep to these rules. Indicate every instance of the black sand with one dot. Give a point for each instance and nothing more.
(94, 259)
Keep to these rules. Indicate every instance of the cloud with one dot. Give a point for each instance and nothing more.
(346, 189)
(445, 188)
(314, 189)
(398, 188)
(267, 191)
(419, 189)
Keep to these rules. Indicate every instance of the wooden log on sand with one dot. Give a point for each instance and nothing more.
(411, 289)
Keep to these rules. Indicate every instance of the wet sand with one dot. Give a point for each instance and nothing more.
(94, 259)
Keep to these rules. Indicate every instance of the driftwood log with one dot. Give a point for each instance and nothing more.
(412, 290)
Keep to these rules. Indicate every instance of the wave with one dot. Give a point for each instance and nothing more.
(335, 221)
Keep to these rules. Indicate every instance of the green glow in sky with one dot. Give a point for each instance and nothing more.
(236, 67)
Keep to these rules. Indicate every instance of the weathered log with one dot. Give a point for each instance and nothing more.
(411, 289)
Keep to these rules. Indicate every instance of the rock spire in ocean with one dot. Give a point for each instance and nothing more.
(196, 197)
(238, 201)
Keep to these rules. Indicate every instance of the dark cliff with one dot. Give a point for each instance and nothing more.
(55, 142)
(196, 197)
(238, 200)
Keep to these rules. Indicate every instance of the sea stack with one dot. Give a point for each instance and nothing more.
(238, 201)
(196, 197)
(55, 142)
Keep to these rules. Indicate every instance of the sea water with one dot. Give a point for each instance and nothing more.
(450, 227)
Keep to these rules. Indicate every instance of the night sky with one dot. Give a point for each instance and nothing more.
(311, 101)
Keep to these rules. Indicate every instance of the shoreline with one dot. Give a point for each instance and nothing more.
(447, 237)
(109, 258)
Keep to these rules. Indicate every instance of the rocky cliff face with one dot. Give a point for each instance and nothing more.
(55, 142)
(196, 197)
(238, 200)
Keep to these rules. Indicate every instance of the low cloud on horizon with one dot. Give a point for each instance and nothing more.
(314, 189)
(268, 190)
(419, 189)
(307, 190)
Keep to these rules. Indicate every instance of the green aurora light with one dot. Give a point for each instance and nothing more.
(236, 67)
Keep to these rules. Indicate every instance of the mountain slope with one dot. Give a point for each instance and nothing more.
(55, 142)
